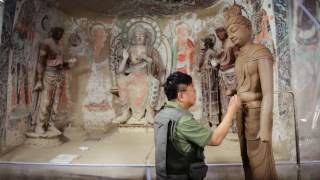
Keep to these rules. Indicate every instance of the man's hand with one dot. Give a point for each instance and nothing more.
(38, 86)
(234, 104)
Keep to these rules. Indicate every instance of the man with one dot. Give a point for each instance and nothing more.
(49, 82)
(254, 66)
(179, 138)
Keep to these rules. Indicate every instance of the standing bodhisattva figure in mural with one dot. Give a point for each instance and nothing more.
(140, 79)
(50, 77)
(254, 72)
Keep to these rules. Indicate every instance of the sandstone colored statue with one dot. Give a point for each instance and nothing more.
(50, 77)
(227, 77)
(254, 72)
(208, 67)
(141, 72)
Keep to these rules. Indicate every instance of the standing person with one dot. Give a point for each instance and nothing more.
(179, 138)
(254, 72)
(49, 80)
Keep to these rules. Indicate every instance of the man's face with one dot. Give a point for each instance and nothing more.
(239, 34)
(188, 96)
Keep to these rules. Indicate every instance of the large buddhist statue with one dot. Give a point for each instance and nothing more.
(140, 78)
(253, 67)
(49, 82)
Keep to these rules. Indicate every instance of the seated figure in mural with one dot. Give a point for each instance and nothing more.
(254, 72)
(208, 67)
(141, 73)
(49, 81)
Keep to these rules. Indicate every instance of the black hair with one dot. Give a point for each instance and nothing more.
(176, 82)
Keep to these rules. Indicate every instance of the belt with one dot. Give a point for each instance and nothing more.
(252, 104)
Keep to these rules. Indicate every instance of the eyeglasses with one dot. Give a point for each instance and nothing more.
(193, 90)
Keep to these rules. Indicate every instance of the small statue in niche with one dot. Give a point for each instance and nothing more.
(226, 56)
(254, 72)
(49, 81)
(141, 75)
(208, 67)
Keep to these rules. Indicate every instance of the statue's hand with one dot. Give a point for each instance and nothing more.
(38, 86)
(72, 60)
(214, 63)
(125, 54)
(264, 135)
(146, 58)
(230, 92)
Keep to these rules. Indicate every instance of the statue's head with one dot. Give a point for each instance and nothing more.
(221, 33)
(209, 41)
(140, 35)
(238, 27)
(57, 33)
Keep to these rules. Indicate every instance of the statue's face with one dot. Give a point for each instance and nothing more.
(139, 38)
(202, 44)
(57, 35)
(239, 34)
(222, 35)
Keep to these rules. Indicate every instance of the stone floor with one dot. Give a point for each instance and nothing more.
(13, 171)
(124, 153)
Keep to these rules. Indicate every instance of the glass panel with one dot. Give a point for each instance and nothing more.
(1, 17)
(305, 47)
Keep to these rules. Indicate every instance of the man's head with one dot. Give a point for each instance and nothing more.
(179, 87)
(238, 27)
(57, 33)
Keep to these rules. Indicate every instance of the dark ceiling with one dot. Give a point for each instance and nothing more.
(131, 7)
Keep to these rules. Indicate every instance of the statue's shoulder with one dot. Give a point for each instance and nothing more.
(260, 52)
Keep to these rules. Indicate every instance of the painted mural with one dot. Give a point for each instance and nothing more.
(22, 46)
(26, 37)
(262, 26)
(8, 17)
(89, 41)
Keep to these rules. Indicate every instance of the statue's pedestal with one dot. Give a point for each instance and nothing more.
(123, 128)
(47, 139)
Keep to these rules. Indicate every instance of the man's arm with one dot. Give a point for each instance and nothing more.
(222, 130)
